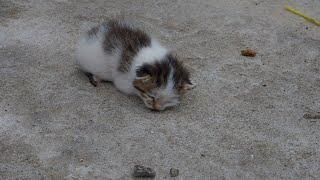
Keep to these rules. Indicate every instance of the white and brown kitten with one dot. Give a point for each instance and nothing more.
(136, 64)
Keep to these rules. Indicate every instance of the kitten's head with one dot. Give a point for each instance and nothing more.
(161, 84)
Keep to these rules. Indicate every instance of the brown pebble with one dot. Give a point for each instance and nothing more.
(142, 171)
(174, 172)
(248, 52)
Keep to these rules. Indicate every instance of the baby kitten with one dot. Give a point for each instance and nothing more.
(136, 63)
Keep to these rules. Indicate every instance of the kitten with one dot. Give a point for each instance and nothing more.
(136, 63)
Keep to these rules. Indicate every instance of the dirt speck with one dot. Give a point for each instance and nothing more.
(9, 10)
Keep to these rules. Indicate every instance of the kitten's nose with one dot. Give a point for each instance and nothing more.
(156, 106)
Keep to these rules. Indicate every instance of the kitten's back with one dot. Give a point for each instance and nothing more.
(126, 38)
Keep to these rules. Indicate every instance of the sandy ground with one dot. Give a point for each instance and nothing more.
(243, 121)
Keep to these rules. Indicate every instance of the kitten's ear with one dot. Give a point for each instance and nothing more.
(186, 86)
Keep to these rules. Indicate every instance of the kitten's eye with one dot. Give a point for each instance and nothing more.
(139, 89)
(151, 96)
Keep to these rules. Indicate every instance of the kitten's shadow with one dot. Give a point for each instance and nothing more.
(86, 76)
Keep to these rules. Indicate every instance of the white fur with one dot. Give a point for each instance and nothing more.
(169, 88)
(149, 54)
(91, 57)
(123, 81)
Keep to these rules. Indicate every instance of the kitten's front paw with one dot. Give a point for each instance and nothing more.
(93, 82)
(93, 79)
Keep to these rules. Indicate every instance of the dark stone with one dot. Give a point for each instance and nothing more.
(174, 172)
(141, 171)
(311, 115)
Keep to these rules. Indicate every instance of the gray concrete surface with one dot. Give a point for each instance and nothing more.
(243, 121)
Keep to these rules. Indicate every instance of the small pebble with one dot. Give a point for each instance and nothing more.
(141, 171)
(174, 172)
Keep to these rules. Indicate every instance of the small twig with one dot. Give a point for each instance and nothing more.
(310, 19)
